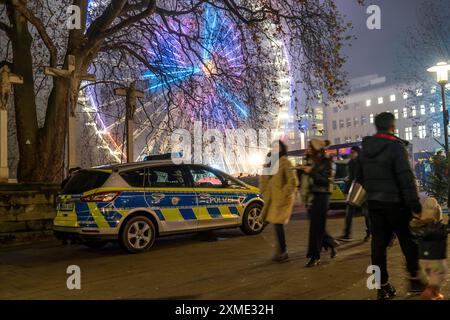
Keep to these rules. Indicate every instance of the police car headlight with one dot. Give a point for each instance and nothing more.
(101, 197)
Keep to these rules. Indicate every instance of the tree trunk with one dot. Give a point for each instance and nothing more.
(24, 98)
(41, 150)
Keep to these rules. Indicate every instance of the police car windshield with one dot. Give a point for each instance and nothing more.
(85, 180)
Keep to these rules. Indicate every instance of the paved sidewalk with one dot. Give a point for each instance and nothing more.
(191, 267)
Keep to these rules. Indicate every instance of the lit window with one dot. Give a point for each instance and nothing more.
(413, 111)
(341, 124)
(319, 130)
(405, 113)
(291, 135)
(432, 108)
(363, 120)
(433, 90)
(371, 118)
(422, 132)
(380, 100)
(436, 129)
(355, 121)
(418, 92)
(405, 95)
(422, 110)
(392, 97)
(358, 137)
(318, 113)
(348, 139)
(408, 133)
(396, 113)
(441, 108)
(368, 102)
(349, 122)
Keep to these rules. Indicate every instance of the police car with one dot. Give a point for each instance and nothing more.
(135, 203)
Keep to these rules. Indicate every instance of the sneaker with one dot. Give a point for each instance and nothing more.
(345, 238)
(386, 292)
(416, 285)
(281, 257)
(312, 263)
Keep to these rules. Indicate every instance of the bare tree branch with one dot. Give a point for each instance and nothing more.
(37, 23)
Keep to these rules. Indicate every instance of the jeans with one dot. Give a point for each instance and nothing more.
(351, 210)
(387, 218)
(365, 212)
(279, 231)
(318, 236)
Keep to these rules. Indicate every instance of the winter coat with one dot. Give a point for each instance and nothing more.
(278, 192)
(353, 167)
(305, 190)
(385, 172)
(321, 176)
(431, 237)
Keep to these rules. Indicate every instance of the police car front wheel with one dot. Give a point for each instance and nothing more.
(138, 234)
(252, 222)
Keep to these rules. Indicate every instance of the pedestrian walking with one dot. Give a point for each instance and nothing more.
(430, 231)
(392, 195)
(278, 185)
(320, 180)
(353, 166)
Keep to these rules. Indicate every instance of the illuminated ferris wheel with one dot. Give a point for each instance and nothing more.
(196, 81)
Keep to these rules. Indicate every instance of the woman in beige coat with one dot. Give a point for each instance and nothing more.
(278, 185)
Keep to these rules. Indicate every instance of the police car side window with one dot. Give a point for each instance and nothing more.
(165, 177)
(205, 178)
(134, 178)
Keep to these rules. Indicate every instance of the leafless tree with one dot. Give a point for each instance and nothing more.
(114, 40)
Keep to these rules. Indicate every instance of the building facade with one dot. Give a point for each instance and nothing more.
(419, 114)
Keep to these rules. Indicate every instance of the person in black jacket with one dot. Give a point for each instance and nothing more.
(392, 196)
(320, 175)
(353, 166)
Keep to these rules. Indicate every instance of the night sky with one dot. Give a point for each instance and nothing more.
(376, 51)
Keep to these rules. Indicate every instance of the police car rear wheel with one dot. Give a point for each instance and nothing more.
(138, 234)
(252, 222)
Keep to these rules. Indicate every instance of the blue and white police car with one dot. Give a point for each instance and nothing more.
(136, 202)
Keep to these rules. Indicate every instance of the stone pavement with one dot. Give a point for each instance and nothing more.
(233, 266)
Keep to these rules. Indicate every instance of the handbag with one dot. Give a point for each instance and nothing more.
(356, 195)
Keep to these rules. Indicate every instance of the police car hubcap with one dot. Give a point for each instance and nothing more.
(139, 234)
(254, 219)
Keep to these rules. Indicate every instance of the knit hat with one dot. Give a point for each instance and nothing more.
(431, 210)
(318, 144)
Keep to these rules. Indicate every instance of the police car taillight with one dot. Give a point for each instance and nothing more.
(101, 197)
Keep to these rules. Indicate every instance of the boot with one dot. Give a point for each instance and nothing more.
(386, 292)
(281, 257)
(312, 263)
(333, 253)
(416, 285)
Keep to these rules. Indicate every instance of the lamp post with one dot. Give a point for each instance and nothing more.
(441, 69)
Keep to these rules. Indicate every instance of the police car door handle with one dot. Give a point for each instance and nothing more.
(158, 196)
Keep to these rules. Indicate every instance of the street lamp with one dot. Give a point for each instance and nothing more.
(441, 70)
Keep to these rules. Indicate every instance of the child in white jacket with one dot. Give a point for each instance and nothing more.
(430, 230)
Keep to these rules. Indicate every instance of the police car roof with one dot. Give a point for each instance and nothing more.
(132, 165)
